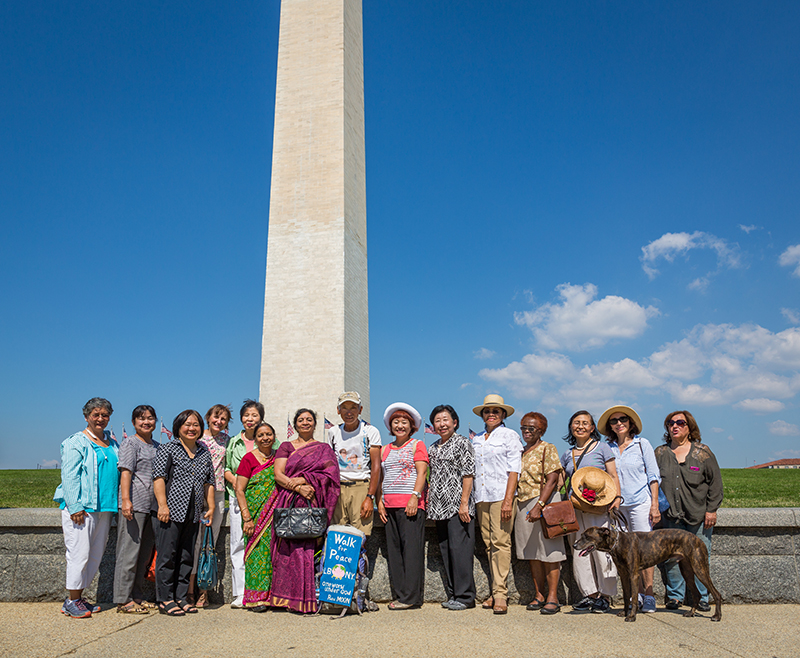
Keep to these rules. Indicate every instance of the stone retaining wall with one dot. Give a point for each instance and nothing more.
(754, 559)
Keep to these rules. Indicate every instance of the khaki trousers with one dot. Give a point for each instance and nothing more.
(348, 507)
(497, 539)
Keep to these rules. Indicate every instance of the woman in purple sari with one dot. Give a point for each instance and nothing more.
(309, 469)
(257, 497)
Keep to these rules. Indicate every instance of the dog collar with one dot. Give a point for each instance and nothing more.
(616, 537)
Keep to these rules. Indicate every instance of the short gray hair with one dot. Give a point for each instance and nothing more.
(97, 403)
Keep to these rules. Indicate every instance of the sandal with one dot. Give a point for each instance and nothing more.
(170, 608)
(202, 600)
(132, 608)
(536, 604)
(488, 604)
(396, 605)
(146, 604)
(550, 608)
(187, 607)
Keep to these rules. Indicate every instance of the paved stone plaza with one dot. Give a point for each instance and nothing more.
(38, 629)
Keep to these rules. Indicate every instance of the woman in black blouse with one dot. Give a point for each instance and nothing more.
(183, 484)
(692, 482)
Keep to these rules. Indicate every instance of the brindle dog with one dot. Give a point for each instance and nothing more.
(634, 551)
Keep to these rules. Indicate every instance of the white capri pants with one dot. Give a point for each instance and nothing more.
(637, 516)
(237, 548)
(594, 572)
(85, 546)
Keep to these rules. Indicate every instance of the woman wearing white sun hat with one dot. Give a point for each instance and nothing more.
(401, 505)
(498, 461)
(639, 478)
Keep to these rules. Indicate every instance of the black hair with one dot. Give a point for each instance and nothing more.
(570, 437)
(139, 411)
(255, 404)
(444, 407)
(182, 417)
(303, 411)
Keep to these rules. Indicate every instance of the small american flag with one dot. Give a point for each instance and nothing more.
(429, 429)
(164, 430)
(328, 424)
(289, 428)
(124, 434)
(472, 434)
(112, 433)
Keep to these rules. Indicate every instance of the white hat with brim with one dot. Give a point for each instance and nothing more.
(402, 406)
(493, 400)
(602, 424)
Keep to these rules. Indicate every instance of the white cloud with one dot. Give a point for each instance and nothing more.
(759, 405)
(782, 428)
(746, 366)
(791, 258)
(700, 284)
(749, 228)
(671, 245)
(791, 315)
(717, 430)
(580, 321)
(730, 437)
(49, 463)
(484, 353)
(787, 454)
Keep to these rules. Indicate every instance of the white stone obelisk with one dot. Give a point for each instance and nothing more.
(316, 334)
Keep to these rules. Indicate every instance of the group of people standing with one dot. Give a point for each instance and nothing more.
(494, 480)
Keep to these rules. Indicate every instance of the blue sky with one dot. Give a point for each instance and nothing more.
(572, 204)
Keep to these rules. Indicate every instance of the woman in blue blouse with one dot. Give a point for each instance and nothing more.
(639, 478)
(183, 484)
(88, 498)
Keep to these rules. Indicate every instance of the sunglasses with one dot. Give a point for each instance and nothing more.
(621, 419)
(679, 423)
(529, 429)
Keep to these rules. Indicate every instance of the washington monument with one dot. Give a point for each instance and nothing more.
(316, 335)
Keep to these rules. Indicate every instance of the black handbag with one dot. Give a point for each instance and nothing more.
(300, 522)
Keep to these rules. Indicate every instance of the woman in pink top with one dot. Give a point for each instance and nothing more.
(404, 467)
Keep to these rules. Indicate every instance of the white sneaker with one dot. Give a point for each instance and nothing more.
(238, 602)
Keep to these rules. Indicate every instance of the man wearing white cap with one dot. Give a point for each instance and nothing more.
(357, 444)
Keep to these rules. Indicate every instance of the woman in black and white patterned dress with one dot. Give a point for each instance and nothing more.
(451, 504)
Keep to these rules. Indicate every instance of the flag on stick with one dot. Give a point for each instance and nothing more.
(328, 424)
(164, 430)
(429, 429)
(124, 434)
(289, 428)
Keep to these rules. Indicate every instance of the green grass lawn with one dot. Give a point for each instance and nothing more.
(743, 487)
(33, 488)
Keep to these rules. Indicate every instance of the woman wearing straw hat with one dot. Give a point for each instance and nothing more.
(593, 490)
(639, 478)
(401, 506)
(498, 452)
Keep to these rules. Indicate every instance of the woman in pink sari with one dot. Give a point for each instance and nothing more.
(255, 491)
(309, 470)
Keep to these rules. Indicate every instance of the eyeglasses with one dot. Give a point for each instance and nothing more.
(581, 423)
(679, 423)
(529, 429)
(620, 419)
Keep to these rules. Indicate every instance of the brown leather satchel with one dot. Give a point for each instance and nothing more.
(558, 519)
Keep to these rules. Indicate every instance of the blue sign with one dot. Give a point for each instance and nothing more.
(340, 565)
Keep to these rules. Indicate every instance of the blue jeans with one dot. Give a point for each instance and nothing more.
(676, 587)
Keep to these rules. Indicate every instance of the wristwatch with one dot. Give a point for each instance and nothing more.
(417, 494)
(541, 503)
(371, 497)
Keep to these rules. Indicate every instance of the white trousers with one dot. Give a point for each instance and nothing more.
(85, 546)
(637, 516)
(237, 548)
(219, 510)
(594, 572)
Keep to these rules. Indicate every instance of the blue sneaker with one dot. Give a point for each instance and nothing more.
(75, 609)
(89, 606)
(649, 604)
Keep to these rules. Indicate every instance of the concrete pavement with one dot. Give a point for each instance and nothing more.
(38, 629)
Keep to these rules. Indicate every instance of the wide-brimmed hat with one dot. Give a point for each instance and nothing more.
(402, 406)
(602, 424)
(493, 400)
(591, 478)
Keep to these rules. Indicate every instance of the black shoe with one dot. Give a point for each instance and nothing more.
(534, 605)
(673, 604)
(584, 605)
(703, 606)
(601, 605)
